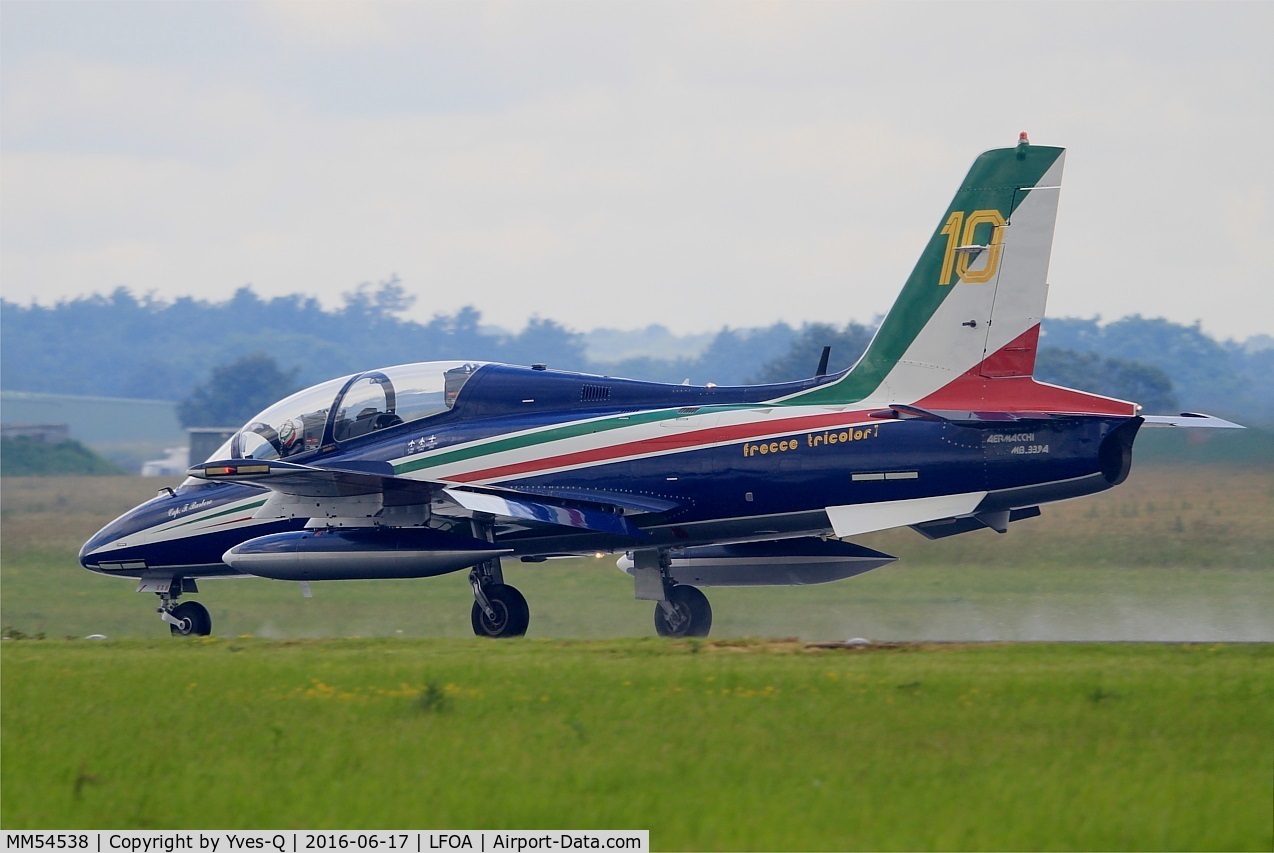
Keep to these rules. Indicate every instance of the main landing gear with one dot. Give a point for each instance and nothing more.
(680, 610)
(499, 610)
(685, 613)
(188, 619)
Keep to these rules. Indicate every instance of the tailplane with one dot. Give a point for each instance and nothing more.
(964, 332)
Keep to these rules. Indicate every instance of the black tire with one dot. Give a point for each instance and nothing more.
(194, 618)
(693, 609)
(512, 614)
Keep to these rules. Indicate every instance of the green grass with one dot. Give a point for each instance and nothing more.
(710, 745)
(723, 744)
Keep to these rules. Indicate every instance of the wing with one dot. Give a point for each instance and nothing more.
(370, 493)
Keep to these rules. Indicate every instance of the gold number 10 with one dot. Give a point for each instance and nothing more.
(959, 230)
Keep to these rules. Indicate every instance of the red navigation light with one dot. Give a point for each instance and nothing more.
(235, 470)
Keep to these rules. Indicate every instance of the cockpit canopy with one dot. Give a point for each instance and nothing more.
(344, 409)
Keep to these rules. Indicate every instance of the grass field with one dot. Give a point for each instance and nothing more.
(286, 720)
(710, 745)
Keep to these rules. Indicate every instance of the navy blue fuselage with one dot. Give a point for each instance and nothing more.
(718, 488)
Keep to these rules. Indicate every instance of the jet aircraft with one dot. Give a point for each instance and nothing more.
(425, 469)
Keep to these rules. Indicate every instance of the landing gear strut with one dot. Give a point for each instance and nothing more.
(499, 610)
(189, 619)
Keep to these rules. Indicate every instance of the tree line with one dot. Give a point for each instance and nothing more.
(129, 345)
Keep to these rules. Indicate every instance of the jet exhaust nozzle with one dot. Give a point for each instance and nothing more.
(1115, 453)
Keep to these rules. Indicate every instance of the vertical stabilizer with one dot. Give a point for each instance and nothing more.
(965, 328)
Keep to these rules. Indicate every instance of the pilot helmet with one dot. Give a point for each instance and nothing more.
(290, 432)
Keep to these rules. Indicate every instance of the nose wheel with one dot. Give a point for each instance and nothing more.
(189, 619)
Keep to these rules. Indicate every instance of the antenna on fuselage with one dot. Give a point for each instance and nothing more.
(822, 362)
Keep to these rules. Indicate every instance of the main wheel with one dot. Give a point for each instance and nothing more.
(693, 614)
(512, 614)
(194, 619)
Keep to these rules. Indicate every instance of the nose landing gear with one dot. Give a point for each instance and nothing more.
(189, 619)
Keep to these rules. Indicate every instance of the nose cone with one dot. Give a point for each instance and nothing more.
(89, 549)
(184, 532)
(109, 543)
(118, 547)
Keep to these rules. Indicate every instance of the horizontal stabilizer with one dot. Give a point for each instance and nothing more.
(959, 416)
(787, 562)
(1190, 420)
(853, 519)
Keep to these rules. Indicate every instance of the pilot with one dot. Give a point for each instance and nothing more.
(291, 437)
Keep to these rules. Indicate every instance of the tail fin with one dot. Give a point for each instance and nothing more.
(964, 331)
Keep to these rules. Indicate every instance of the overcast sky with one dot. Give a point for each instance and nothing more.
(617, 164)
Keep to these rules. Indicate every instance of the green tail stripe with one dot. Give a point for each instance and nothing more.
(991, 184)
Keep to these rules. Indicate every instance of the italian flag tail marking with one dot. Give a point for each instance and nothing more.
(965, 329)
